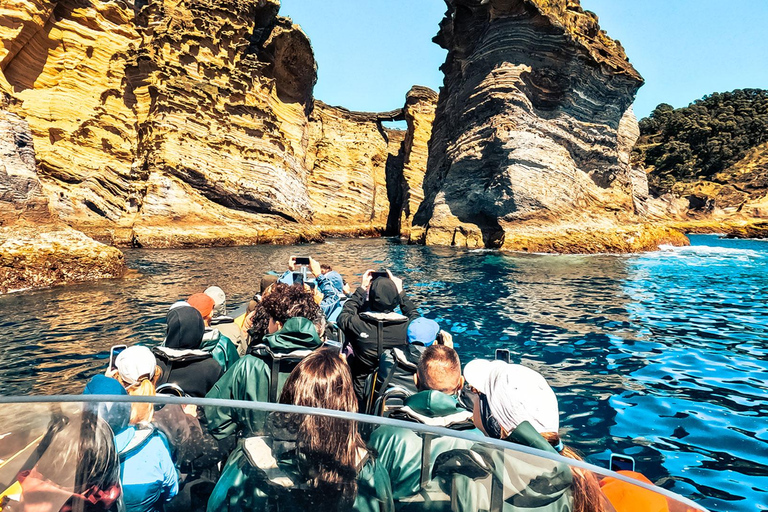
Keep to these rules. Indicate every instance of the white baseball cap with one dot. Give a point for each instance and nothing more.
(219, 299)
(515, 394)
(135, 363)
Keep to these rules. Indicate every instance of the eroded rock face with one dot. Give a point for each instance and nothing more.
(37, 250)
(533, 128)
(348, 157)
(171, 123)
(21, 196)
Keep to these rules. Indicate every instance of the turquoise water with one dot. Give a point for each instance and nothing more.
(663, 355)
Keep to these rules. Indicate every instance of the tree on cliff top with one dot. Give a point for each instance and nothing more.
(702, 139)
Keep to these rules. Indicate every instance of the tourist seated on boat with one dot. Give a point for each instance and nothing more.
(515, 403)
(371, 325)
(401, 451)
(291, 336)
(147, 473)
(74, 467)
(214, 341)
(224, 323)
(306, 462)
(192, 448)
(181, 358)
(397, 366)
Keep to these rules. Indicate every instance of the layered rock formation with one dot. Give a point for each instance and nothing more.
(35, 249)
(533, 130)
(172, 123)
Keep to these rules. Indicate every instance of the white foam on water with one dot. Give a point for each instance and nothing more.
(706, 252)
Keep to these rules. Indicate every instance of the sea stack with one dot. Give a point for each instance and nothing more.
(533, 130)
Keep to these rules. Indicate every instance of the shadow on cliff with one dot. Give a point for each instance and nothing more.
(468, 188)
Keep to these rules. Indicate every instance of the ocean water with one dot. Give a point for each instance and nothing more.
(662, 355)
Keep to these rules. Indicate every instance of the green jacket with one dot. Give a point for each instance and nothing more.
(221, 348)
(527, 483)
(400, 449)
(250, 378)
(258, 477)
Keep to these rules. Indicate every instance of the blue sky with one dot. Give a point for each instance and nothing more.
(370, 52)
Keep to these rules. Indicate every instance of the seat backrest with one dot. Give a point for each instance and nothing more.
(280, 366)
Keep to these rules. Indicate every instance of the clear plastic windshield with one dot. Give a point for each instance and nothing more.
(80, 453)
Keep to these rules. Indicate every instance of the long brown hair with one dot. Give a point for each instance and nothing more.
(587, 496)
(331, 448)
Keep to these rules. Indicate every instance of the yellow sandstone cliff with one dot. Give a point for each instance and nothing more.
(174, 123)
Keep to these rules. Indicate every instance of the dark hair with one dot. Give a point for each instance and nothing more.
(284, 302)
(259, 327)
(439, 368)
(325, 267)
(330, 448)
(81, 450)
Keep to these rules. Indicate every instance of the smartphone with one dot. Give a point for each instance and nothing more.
(301, 261)
(113, 353)
(298, 278)
(376, 275)
(622, 462)
(502, 354)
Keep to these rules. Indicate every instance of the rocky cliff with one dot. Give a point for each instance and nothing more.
(176, 122)
(35, 249)
(532, 135)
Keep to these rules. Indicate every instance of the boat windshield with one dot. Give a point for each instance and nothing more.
(61, 453)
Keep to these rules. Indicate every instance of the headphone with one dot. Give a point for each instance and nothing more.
(490, 425)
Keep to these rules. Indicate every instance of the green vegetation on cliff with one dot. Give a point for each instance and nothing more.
(701, 140)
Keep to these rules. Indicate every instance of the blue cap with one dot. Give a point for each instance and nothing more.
(423, 330)
(116, 414)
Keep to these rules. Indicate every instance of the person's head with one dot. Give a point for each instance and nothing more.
(219, 300)
(510, 394)
(325, 268)
(116, 414)
(383, 296)
(423, 331)
(439, 369)
(331, 446)
(185, 327)
(138, 372)
(335, 279)
(79, 470)
(285, 302)
(204, 304)
(266, 281)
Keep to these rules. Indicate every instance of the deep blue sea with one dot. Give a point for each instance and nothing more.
(663, 355)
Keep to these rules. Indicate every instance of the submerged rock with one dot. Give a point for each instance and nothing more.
(36, 250)
(533, 133)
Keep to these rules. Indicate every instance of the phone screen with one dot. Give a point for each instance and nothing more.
(113, 353)
(298, 278)
(502, 354)
(301, 261)
(376, 275)
(622, 463)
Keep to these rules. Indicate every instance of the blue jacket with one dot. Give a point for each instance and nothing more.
(147, 473)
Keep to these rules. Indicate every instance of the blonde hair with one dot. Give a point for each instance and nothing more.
(587, 496)
(141, 413)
